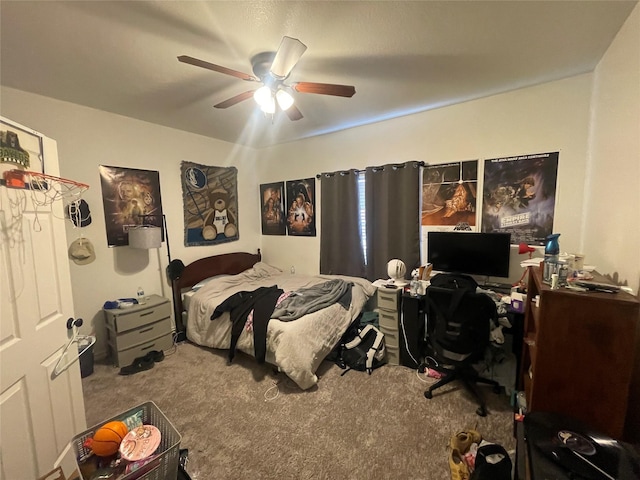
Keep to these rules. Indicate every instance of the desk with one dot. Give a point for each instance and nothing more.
(412, 333)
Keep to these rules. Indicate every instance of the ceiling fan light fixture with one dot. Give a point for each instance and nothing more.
(284, 98)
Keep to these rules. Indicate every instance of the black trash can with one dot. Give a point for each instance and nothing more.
(86, 360)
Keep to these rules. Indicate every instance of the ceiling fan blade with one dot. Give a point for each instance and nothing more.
(293, 113)
(233, 100)
(324, 89)
(216, 68)
(288, 54)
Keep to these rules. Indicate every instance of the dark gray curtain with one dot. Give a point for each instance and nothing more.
(392, 199)
(340, 247)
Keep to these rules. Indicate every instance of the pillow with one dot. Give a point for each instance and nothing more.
(202, 283)
(261, 269)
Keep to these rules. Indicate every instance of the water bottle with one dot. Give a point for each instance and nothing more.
(141, 299)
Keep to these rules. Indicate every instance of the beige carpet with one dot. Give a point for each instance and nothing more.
(351, 427)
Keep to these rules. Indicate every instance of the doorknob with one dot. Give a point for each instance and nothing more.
(74, 322)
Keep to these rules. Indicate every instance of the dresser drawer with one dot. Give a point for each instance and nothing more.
(136, 318)
(388, 299)
(127, 356)
(144, 334)
(390, 337)
(393, 355)
(388, 319)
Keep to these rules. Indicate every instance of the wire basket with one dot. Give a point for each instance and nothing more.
(165, 465)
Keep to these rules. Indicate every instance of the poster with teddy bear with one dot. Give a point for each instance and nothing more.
(210, 203)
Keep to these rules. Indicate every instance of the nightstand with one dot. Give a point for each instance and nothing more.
(135, 331)
(388, 312)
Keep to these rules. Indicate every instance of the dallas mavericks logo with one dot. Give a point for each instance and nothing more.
(195, 178)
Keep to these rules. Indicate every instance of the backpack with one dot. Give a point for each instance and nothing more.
(492, 463)
(365, 352)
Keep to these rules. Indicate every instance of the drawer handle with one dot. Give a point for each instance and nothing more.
(148, 347)
(145, 330)
(146, 313)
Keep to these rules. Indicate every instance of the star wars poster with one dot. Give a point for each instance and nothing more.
(272, 211)
(519, 196)
(210, 203)
(301, 220)
(449, 194)
(130, 197)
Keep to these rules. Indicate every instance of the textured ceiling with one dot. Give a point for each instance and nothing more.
(402, 57)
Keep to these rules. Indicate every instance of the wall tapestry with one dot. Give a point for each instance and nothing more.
(130, 197)
(449, 193)
(301, 220)
(210, 203)
(273, 219)
(519, 196)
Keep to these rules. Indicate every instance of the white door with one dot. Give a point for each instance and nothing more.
(39, 411)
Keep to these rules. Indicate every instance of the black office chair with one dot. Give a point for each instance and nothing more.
(458, 325)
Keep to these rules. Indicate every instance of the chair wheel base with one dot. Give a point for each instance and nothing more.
(481, 411)
(428, 394)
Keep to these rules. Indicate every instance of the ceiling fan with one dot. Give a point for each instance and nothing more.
(272, 70)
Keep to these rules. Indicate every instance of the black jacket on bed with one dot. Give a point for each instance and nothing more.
(262, 301)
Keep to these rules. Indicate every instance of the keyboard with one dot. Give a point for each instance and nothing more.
(498, 287)
(598, 286)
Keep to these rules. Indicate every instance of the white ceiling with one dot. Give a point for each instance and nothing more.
(402, 57)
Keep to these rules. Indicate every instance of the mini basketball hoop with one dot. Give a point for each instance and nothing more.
(45, 189)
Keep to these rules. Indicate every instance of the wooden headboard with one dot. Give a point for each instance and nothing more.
(227, 263)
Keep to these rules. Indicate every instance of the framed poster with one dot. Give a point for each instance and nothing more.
(519, 196)
(130, 197)
(272, 212)
(301, 220)
(210, 204)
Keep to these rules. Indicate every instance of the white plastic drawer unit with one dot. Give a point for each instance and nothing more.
(388, 312)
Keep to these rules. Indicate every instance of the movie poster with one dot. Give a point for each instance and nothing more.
(301, 220)
(210, 204)
(449, 194)
(272, 210)
(130, 197)
(519, 196)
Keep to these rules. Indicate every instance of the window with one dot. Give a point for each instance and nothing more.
(362, 212)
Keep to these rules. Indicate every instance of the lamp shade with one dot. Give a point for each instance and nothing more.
(145, 237)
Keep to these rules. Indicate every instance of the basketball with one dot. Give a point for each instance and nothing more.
(107, 438)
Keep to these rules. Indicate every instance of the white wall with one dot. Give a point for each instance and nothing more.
(546, 118)
(612, 221)
(88, 138)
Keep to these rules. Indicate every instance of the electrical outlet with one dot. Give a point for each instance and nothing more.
(293, 269)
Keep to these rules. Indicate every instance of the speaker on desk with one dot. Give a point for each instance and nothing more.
(411, 331)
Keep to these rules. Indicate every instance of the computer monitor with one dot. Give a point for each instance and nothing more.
(471, 253)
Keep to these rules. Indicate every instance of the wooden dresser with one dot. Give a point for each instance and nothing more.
(578, 353)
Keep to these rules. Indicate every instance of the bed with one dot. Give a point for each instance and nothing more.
(297, 347)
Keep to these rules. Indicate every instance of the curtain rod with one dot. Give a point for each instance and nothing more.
(346, 172)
